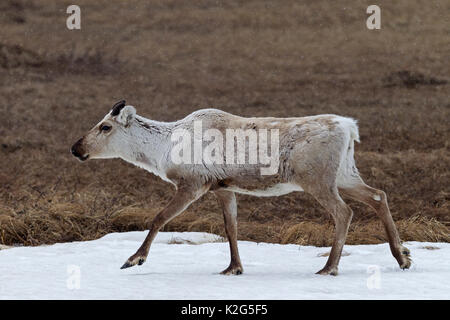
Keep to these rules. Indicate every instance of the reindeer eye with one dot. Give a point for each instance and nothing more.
(105, 128)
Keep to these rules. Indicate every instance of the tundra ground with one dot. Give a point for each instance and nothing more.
(251, 58)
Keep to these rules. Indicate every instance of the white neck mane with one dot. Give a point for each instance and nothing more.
(148, 145)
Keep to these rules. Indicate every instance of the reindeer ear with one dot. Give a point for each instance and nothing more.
(117, 107)
(126, 115)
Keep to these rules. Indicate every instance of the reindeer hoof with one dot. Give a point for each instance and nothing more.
(328, 271)
(233, 270)
(132, 262)
(126, 265)
(406, 257)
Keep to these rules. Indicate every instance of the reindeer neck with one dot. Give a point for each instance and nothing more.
(149, 145)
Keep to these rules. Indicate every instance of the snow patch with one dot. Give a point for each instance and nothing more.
(91, 270)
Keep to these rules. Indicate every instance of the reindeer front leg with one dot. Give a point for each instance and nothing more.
(184, 196)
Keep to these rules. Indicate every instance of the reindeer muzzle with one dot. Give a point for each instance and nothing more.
(78, 151)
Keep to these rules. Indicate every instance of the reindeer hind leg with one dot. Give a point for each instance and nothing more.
(378, 201)
(227, 200)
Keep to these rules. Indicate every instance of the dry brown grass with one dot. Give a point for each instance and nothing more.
(253, 58)
(412, 229)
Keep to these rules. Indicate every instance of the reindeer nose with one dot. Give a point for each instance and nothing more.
(75, 152)
(75, 149)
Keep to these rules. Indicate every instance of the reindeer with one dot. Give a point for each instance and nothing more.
(316, 155)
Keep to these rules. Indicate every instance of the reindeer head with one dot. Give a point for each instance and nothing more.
(108, 137)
